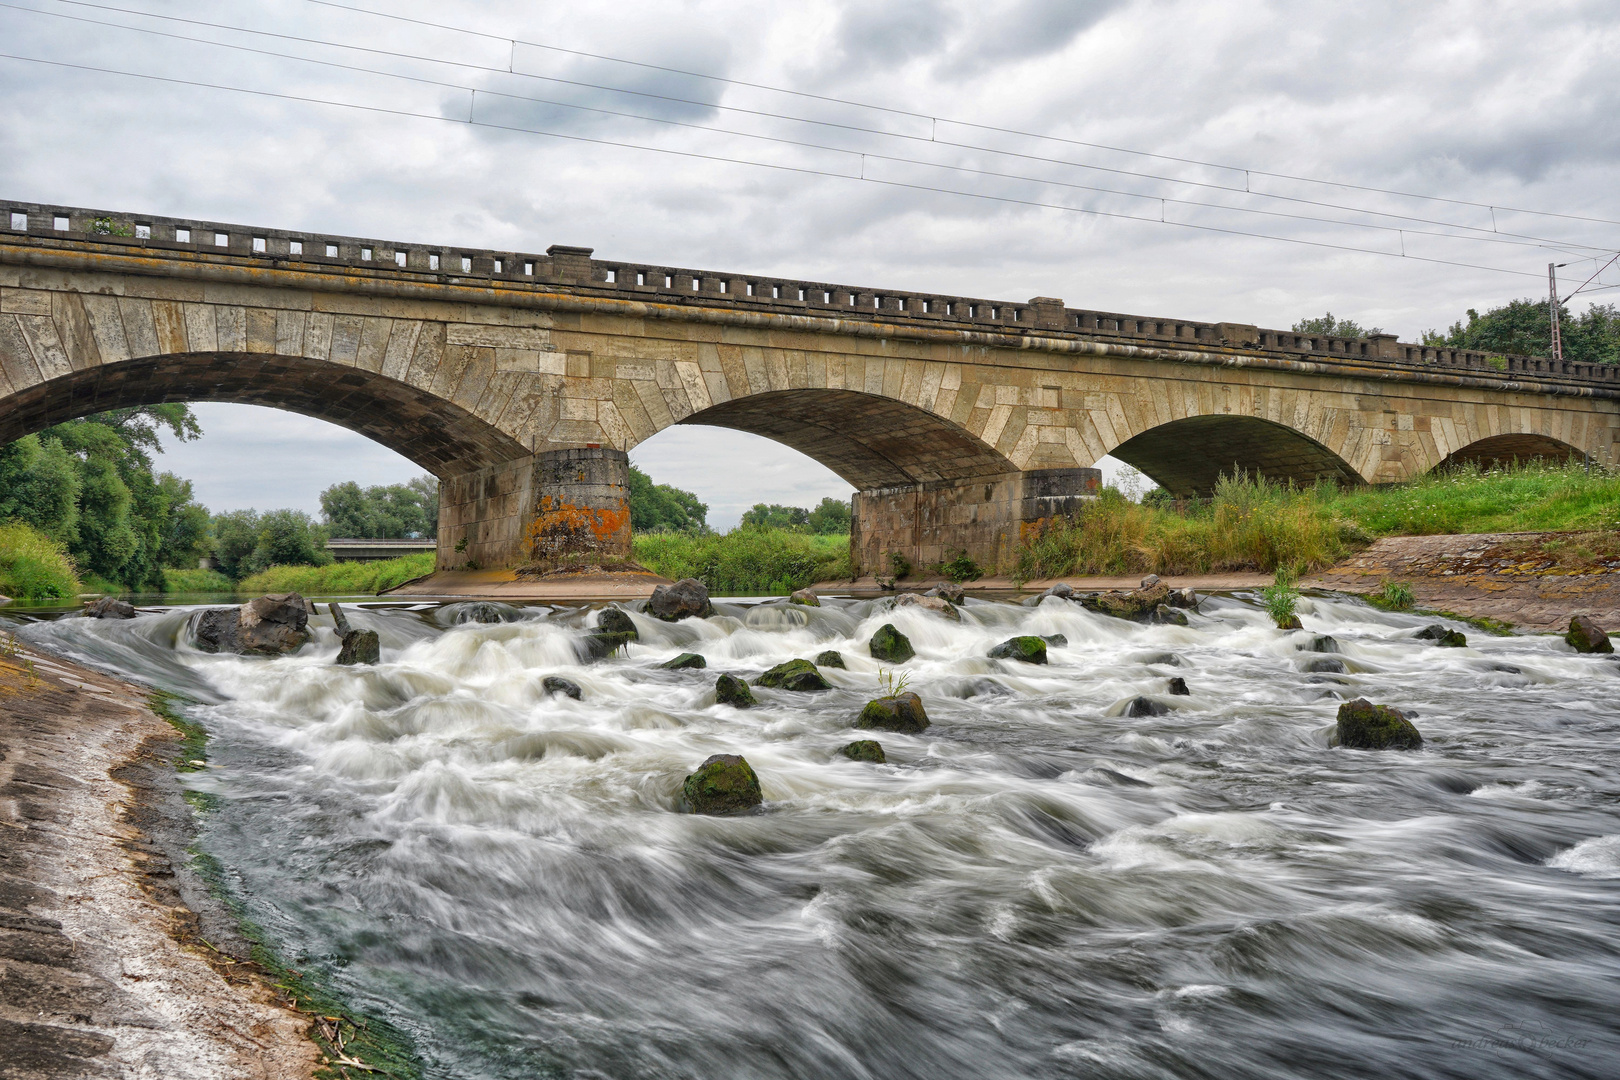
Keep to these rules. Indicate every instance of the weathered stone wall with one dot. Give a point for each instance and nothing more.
(483, 515)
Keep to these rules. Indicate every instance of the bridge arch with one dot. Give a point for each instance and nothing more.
(1186, 457)
(1498, 450)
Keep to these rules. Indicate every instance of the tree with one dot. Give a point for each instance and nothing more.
(236, 534)
(1328, 326)
(777, 516)
(1524, 328)
(394, 512)
(662, 508)
(831, 517)
(288, 538)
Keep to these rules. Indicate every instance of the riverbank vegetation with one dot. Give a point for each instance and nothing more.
(747, 561)
(339, 578)
(33, 566)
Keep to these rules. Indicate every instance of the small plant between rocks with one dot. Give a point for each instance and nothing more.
(1395, 596)
(1281, 598)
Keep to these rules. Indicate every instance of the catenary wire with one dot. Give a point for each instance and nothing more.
(1554, 243)
(802, 170)
(1513, 239)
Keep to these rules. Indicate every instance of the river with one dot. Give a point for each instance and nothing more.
(1037, 886)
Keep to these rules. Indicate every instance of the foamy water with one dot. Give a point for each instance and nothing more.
(1038, 885)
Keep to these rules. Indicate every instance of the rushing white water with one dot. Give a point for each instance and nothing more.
(1039, 885)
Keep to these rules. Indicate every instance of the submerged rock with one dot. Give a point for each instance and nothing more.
(110, 607)
(831, 658)
(614, 620)
(723, 784)
(891, 645)
(1169, 658)
(868, 750)
(793, 675)
(936, 604)
(266, 626)
(1165, 615)
(1365, 726)
(805, 597)
(1330, 665)
(1586, 637)
(602, 646)
(556, 684)
(688, 598)
(684, 661)
(1145, 706)
(730, 690)
(1031, 650)
(902, 712)
(1178, 687)
(1059, 640)
(1446, 639)
(479, 611)
(1323, 643)
(1137, 605)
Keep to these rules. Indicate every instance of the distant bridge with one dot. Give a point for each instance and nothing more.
(522, 380)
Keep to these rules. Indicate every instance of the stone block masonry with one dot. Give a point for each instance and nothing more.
(955, 418)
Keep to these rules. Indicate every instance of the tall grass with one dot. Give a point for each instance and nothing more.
(747, 561)
(339, 578)
(196, 581)
(33, 566)
(1530, 497)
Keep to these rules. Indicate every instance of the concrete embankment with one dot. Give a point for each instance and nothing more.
(114, 959)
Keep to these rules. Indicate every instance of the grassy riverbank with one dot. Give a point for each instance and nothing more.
(745, 561)
(33, 566)
(339, 578)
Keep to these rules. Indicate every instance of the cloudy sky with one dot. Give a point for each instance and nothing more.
(1009, 149)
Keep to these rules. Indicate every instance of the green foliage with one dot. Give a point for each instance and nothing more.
(106, 226)
(247, 542)
(394, 512)
(745, 561)
(196, 581)
(894, 684)
(830, 517)
(962, 569)
(89, 485)
(33, 566)
(1281, 597)
(236, 533)
(662, 508)
(340, 578)
(1395, 596)
(1530, 496)
(1524, 328)
(1328, 326)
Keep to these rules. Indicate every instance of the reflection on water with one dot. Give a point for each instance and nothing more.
(1037, 886)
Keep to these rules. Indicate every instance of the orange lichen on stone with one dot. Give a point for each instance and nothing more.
(562, 529)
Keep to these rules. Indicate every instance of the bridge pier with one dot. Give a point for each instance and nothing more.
(930, 523)
(550, 508)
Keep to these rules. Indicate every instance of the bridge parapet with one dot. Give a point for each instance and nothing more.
(574, 270)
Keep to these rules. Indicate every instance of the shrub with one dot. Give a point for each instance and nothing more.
(745, 561)
(1396, 596)
(342, 578)
(962, 569)
(33, 566)
(196, 581)
(1281, 597)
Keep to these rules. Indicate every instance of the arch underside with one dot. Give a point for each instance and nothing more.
(437, 434)
(1187, 457)
(870, 441)
(1506, 449)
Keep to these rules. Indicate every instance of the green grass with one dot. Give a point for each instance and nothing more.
(196, 581)
(339, 578)
(1532, 497)
(33, 566)
(746, 561)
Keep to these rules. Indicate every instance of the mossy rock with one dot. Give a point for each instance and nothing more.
(1365, 726)
(1585, 636)
(868, 750)
(902, 712)
(684, 661)
(1029, 649)
(805, 597)
(556, 684)
(831, 658)
(614, 621)
(891, 645)
(793, 675)
(730, 690)
(1290, 623)
(360, 647)
(1135, 605)
(1446, 639)
(723, 784)
(602, 646)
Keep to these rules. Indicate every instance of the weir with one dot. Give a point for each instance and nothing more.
(523, 380)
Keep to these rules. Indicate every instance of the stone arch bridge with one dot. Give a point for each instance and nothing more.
(521, 380)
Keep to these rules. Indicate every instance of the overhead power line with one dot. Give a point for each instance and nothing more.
(798, 169)
(1482, 232)
(1514, 239)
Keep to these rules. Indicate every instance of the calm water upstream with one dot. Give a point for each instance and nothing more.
(1038, 886)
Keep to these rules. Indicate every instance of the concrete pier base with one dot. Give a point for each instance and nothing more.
(541, 509)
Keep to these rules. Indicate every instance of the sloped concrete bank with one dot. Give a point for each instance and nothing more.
(114, 959)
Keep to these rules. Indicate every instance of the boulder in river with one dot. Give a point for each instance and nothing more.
(1029, 649)
(1183, 598)
(1365, 726)
(937, 604)
(556, 684)
(1136, 605)
(1145, 706)
(612, 620)
(902, 712)
(1290, 623)
(1165, 615)
(730, 690)
(806, 597)
(1446, 639)
(266, 626)
(1178, 687)
(684, 661)
(110, 607)
(868, 750)
(1060, 590)
(794, 675)
(891, 645)
(1150, 581)
(688, 598)
(1586, 636)
(948, 591)
(602, 646)
(1059, 640)
(723, 784)
(1323, 643)
(1330, 665)
(360, 647)
(831, 658)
